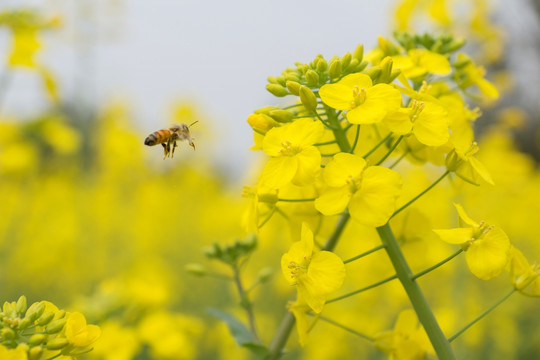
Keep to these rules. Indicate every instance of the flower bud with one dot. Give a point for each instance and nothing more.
(37, 339)
(335, 68)
(272, 80)
(21, 305)
(453, 161)
(55, 326)
(308, 98)
(373, 72)
(8, 333)
(322, 65)
(312, 78)
(282, 116)
(59, 314)
(277, 90)
(261, 122)
(266, 109)
(24, 324)
(462, 62)
(292, 76)
(281, 80)
(57, 344)
(293, 87)
(45, 318)
(346, 60)
(34, 311)
(265, 274)
(196, 269)
(386, 69)
(358, 53)
(395, 73)
(35, 353)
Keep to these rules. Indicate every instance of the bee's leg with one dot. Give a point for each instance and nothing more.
(166, 150)
(174, 147)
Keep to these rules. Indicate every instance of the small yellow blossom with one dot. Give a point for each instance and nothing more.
(461, 160)
(524, 277)
(370, 193)
(365, 103)
(487, 248)
(315, 275)
(78, 333)
(294, 158)
(420, 62)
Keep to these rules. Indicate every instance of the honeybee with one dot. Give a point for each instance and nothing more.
(168, 137)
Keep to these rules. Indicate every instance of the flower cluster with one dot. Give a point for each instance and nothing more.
(42, 331)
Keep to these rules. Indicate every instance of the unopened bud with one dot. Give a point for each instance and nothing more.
(261, 122)
(45, 318)
(386, 69)
(35, 310)
(35, 353)
(335, 68)
(358, 53)
(346, 60)
(282, 116)
(8, 333)
(272, 80)
(277, 90)
(462, 62)
(308, 98)
(57, 344)
(196, 269)
(55, 326)
(312, 78)
(266, 109)
(395, 73)
(322, 65)
(456, 44)
(24, 324)
(292, 76)
(21, 305)
(37, 339)
(59, 314)
(293, 87)
(373, 72)
(281, 80)
(265, 274)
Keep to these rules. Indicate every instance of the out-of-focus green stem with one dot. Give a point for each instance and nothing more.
(440, 263)
(481, 316)
(246, 303)
(423, 310)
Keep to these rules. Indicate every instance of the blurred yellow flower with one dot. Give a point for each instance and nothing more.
(524, 277)
(487, 248)
(78, 333)
(419, 62)
(461, 160)
(13, 354)
(315, 275)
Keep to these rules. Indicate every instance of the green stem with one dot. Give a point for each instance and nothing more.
(363, 254)
(422, 193)
(246, 303)
(296, 200)
(340, 226)
(503, 299)
(378, 145)
(366, 288)
(356, 137)
(325, 143)
(390, 151)
(423, 310)
(348, 329)
(440, 263)
(339, 133)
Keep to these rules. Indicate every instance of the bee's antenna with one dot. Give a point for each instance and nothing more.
(193, 123)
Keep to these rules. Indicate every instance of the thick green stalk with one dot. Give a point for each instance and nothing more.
(339, 132)
(423, 310)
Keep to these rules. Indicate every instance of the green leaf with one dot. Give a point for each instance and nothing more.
(240, 332)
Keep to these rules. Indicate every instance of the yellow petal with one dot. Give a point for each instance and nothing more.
(327, 271)
(487, 88)
(455, 236)
(279, 171)
(433, 62)
(375, 202)
(309, 165)
(398, 122)
(342, 167)
(487, 256)
(340, 95)
(480, 170)
(464, 217)
(431, 126)
(333, 201)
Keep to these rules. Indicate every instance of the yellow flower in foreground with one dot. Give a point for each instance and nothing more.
(408, 340)
(315, 275)
(294, 158)
(366, 104)
(370, 193)
(487, 248)
(12, 354)
(419, 62)
(299, 308)
(78, 333)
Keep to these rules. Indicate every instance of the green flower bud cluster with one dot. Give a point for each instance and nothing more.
(38, 330)
(25, 19)
(442, 44)
(231, 254)
(315, 74)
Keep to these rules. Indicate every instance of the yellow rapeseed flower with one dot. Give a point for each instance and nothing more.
(524, 277)
(12, 354)
(78, 333)
(461, 160)
(370, 193)
(487, 248)
(365, 103)
(315, 275)
(419, 62)
(294, 158)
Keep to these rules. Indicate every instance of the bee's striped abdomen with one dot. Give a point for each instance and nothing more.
(157, 137)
